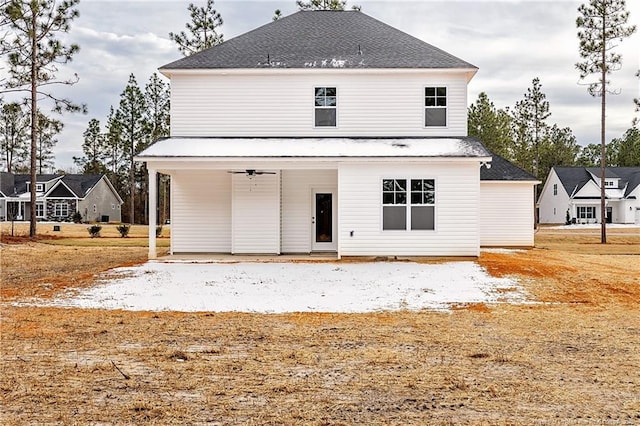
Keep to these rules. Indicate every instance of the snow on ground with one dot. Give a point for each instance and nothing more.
(595, 226)
(293, 287)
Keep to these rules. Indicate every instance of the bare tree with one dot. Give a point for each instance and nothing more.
(600, 24)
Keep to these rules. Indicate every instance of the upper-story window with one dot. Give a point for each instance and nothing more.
(39, 187)
(555, 189)
(609, 183)
(435, 106)
(325, 106)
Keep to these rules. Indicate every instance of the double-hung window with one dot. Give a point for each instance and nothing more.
(555, 189)
(394, 204)
(61, 210)
(39, 209)
(326, 103)
(408, 204)
(423, 200)
(435, 106)
(586, 212)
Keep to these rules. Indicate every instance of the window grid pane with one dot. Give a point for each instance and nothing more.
(325, 103)
(435, 106)
(422, 191)
(394, 191)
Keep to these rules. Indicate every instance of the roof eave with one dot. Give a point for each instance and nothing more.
(170, 72)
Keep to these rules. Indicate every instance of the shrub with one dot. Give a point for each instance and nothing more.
(158, 230)
(123, 230)
(77, 217)
(94, 230)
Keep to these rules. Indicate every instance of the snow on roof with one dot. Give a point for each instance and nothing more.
(177, 147)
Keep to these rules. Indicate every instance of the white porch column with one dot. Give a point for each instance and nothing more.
(153, 197)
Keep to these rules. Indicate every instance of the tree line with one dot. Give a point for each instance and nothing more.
(140, 118)
(524, 135)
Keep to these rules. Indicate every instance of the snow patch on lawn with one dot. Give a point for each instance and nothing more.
(595, 226)
(294, 287)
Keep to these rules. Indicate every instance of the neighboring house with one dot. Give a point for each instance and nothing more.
(576, 190)
(330, 131)
(58, 197)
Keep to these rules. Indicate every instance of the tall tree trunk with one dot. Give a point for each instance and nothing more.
(132, 183)
(34, 105)
(603, 148)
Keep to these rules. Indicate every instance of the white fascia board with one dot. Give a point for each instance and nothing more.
(512, 182)
(235, 163)
(57, 185)
(169, 73)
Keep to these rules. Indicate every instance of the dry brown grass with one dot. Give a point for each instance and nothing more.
(573, 359)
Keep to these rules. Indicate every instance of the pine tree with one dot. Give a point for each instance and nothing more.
(34, 55)
(130, 115)
(491, 125)
(529, 117)
(14, 136)
(600, 24)
(94, 148)
(157, 97)
(203, 30)
(48, 128)
(559, 147)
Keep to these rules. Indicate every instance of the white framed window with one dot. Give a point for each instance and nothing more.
(609, 183)
(39, 209)
(423, 200)
(394, 204)
(61, 210)
(325, 107)
(435, 106)
(586, 212)
(39, 187)
(408, 204)
(555, 189)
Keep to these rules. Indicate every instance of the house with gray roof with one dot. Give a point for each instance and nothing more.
(59, 197)
(331, 131)
(574, 193)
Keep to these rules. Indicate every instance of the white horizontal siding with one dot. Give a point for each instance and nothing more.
(256, 213)
(381, 104)
(457, 210)
(200, 211)
(506, 214)
(553, 208)
(297, 186)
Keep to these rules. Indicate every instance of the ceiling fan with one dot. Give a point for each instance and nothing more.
(252, 172)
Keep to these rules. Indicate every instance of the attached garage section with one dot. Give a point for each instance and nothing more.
(506, 214)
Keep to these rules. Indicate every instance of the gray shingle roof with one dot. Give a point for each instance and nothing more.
(322, 39)
(502, 169)
(79, 184)
(574, 178)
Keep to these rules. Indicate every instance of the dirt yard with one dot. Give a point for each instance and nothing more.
(570, 357)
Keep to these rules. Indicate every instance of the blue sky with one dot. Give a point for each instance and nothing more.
(511, 42)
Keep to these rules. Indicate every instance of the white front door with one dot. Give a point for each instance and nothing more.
(323, 220)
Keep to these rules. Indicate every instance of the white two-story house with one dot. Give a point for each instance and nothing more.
(330, 131)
